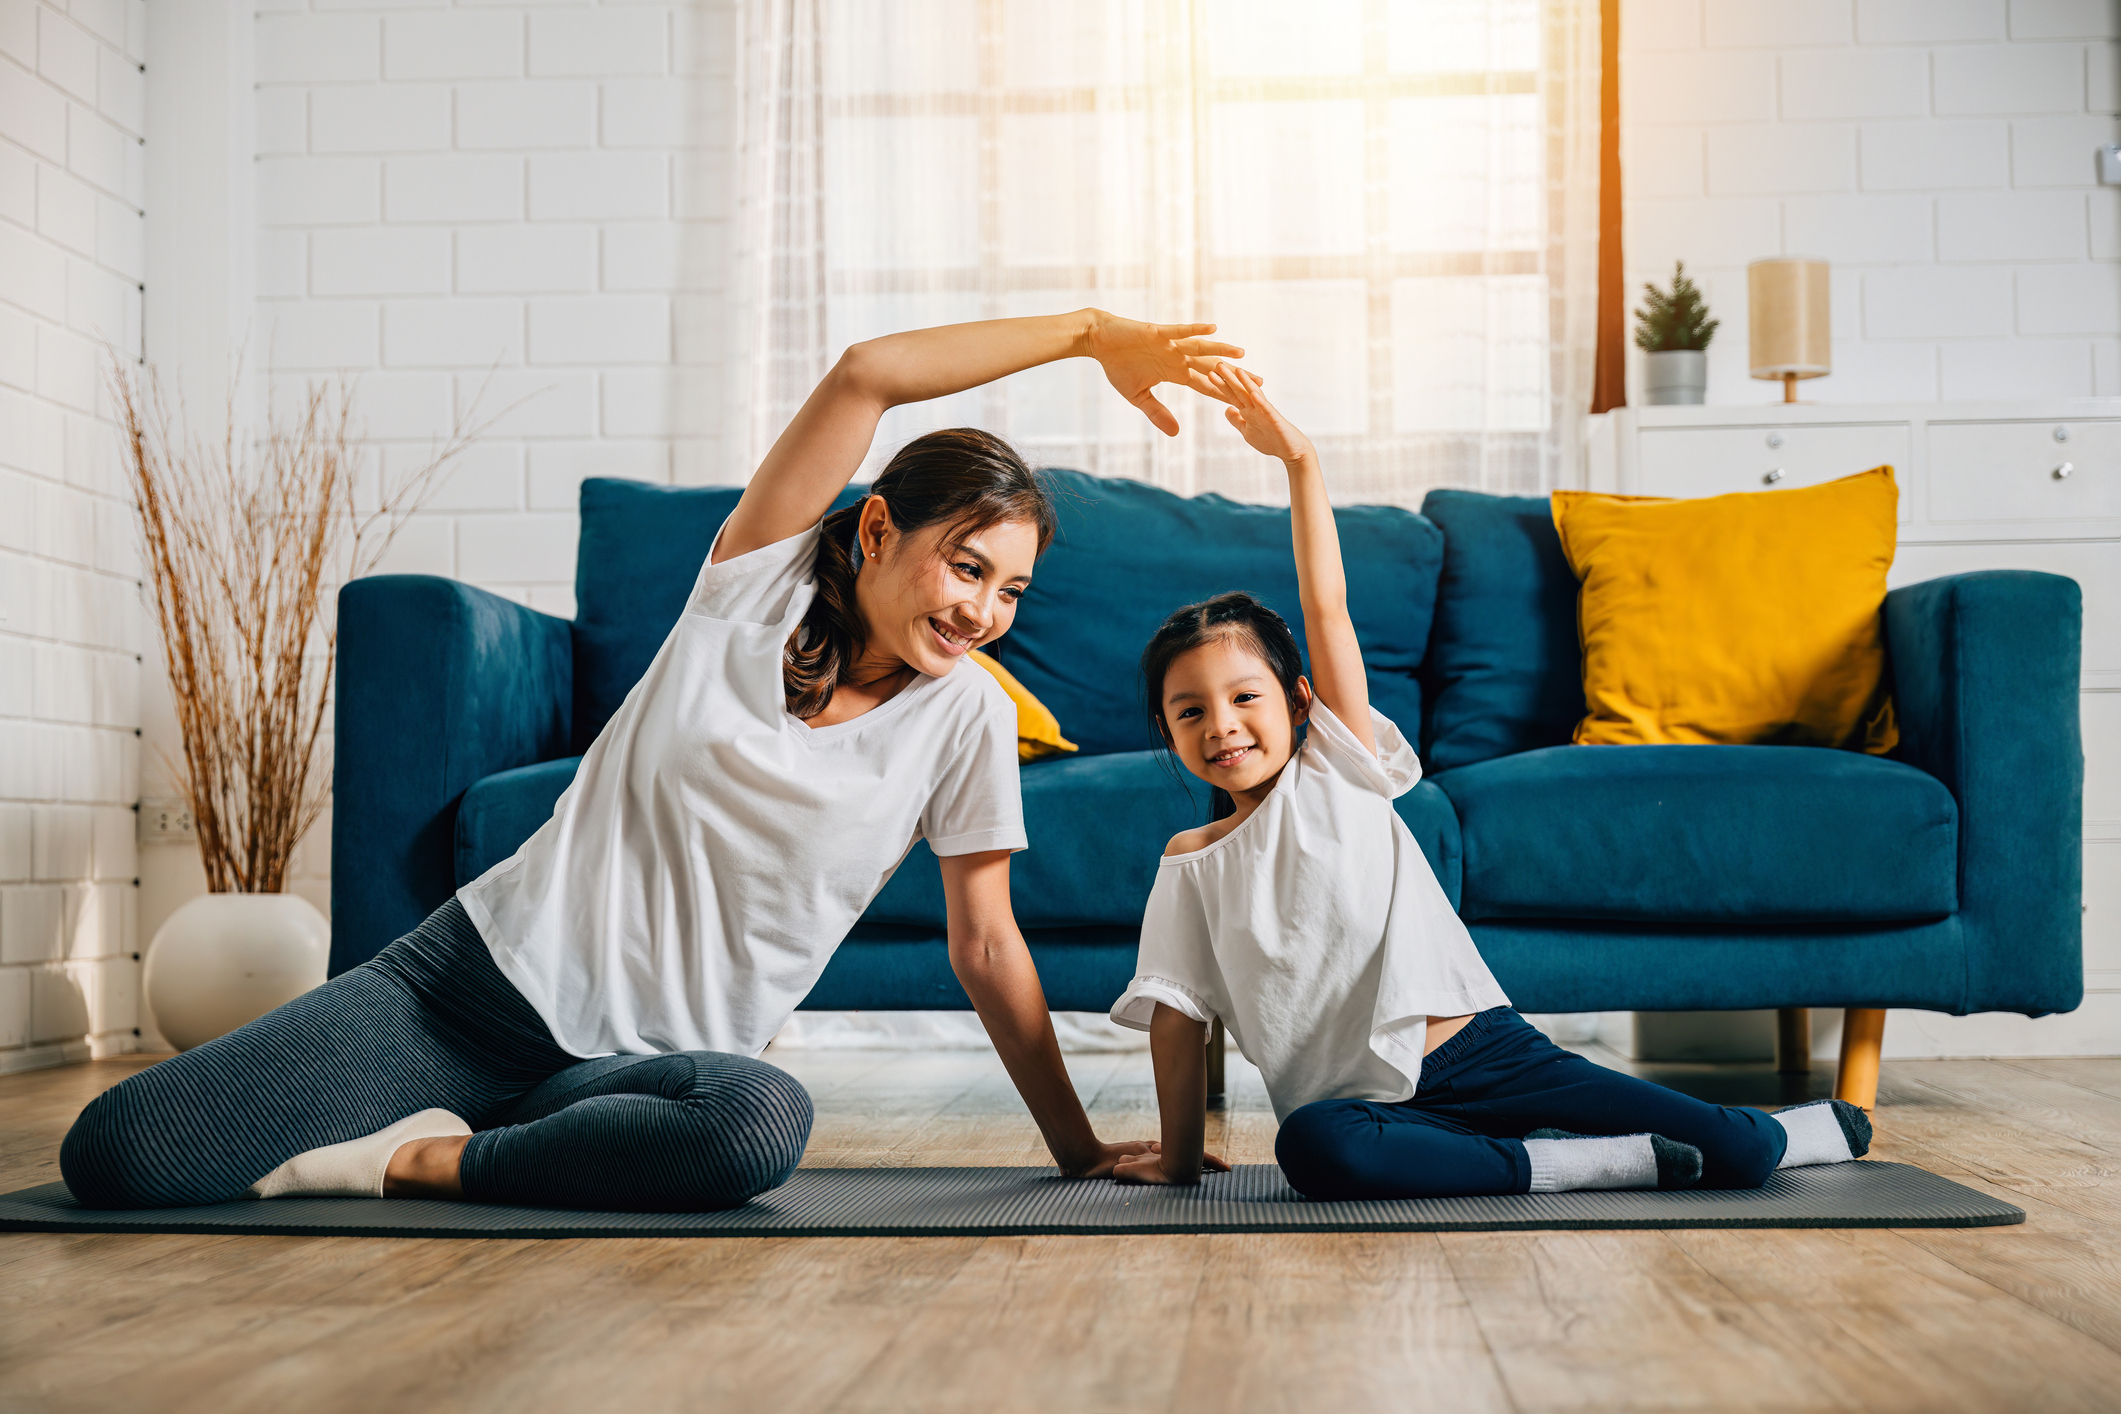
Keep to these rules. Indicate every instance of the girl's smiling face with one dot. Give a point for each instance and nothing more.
(1227, 717)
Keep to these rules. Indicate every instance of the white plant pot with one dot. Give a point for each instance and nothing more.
(224, 959)
(1675, 376)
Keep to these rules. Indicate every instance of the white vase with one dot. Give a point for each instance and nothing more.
(224, 959)
(1675, 376)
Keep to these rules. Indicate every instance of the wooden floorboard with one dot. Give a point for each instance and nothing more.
(1992, 1319)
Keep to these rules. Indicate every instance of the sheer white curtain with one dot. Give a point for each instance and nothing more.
(1390, 203)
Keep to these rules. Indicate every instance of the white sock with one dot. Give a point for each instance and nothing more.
(1605, 1161)
(1816, 1137)
(355, 1168)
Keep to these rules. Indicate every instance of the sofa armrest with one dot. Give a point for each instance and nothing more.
(439, 685)
(1986, 684)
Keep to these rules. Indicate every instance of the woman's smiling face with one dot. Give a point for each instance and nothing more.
(929, 597)
(1229, 721)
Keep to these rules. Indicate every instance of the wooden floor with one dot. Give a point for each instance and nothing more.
(2022, 1318)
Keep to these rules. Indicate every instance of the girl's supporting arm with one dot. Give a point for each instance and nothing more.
(823, 446)
(1336, 658)
(1178, 1046)
(992, 963)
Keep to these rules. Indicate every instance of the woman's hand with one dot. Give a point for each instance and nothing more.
(1149, 1169)
(1111, 1156)
(1137, 356)
(1265, 430)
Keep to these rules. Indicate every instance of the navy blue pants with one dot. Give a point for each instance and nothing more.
(431, 1023)
(1481, 1092)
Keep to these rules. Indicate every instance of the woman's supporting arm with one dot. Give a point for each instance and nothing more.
(823, 446)
(994, 966)
(1321, 583)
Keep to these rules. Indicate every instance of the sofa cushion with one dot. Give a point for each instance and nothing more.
(1128, 554)
(1705, 834)
(1743, 619)
(641, 549)
(1504, 673)
(500, 812)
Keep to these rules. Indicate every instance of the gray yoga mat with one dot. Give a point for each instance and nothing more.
(955, 1202)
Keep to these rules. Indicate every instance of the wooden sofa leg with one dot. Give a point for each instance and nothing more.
(1215, 1062)
(1862, 1033)
(1793, 1040)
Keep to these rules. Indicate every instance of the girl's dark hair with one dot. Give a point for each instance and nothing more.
(1234, 614)
(962, 479)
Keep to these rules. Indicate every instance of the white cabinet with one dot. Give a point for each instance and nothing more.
(1997, 473)
(1707, 461)
(2029, 485)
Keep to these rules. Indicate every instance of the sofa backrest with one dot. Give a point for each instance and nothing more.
(1127, 554)
(1504, 672)
(641, 549)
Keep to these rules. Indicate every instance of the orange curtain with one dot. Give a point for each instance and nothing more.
(1609, 384)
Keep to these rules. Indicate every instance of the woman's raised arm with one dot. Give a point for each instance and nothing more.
(823, 446)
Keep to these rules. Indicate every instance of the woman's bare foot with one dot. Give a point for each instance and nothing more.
(426, 1168)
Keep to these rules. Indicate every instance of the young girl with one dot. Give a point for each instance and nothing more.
(1306, 917)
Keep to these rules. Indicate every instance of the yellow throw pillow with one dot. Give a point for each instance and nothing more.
(1037, 730)
(1748, 618)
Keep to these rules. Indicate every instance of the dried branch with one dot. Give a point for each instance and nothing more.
(245, 541)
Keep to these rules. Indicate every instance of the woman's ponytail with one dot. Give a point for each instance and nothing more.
(824, 648)
(961, 478)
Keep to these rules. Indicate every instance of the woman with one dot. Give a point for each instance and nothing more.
(799, 730)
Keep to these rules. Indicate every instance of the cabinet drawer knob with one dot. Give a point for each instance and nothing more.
(2063, 471)
(1776, 475)
(1774, 440)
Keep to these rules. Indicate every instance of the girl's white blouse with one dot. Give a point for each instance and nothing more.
(1315, 929)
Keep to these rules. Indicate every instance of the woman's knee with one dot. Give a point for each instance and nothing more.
(107, 1158)
(759, 1117)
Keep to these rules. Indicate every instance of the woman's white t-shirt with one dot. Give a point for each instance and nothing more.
(713, 849)
(1315, 929)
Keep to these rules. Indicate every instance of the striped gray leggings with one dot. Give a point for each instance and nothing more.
(431, 1023)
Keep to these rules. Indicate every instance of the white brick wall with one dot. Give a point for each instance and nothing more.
(490, 195)
(71, 189)
(1939, 152)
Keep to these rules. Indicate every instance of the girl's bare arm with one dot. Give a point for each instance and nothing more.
(1322, 584)
(1178, 1047)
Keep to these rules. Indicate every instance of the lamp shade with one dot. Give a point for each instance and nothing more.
(1792, 327)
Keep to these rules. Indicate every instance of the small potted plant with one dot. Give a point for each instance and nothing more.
(1673, 330)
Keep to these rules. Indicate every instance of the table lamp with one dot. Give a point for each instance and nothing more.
(1792, 327)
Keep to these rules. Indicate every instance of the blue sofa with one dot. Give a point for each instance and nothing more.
(1945, 877)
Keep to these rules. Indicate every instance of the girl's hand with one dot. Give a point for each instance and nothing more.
(1265, 430)
(1137, 356)
(1110, 1156)
(1149, 1169)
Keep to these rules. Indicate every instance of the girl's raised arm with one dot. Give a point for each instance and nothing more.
(1336, 658)
(823, 446)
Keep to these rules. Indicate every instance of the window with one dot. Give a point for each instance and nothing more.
(1362, 192)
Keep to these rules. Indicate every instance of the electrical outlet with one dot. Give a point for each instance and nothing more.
(166, 822)
(2110, 165)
